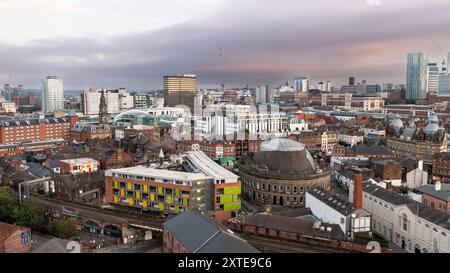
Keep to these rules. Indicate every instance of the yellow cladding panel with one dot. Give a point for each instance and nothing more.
(160, 190)
(116, 199)
(129, 186)
(161, 206)
(169, 199)
(122, 193)
(152, 197)
(145, 188)
(138, 195)
(116, 184)
(131, 202)
(144, 203)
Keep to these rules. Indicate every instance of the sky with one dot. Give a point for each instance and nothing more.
(134, 43)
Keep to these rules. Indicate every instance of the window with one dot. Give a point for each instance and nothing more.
(405, 222)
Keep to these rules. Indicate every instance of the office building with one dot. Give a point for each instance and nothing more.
(300, 84)
(10, 92)
(351, 81)
(180, 90)
(444, 85)
(432, 79)
(262, 94)
(141, 100)
(349, 102)
(117, 101)
(416, 76)
(52, 94)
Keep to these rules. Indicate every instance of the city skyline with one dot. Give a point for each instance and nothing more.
(320, 40)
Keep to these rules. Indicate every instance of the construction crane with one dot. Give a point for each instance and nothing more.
(227, 62)
(444, 65)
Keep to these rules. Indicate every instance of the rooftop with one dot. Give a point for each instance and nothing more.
(432, 215)
(203, 163)
(289, 224)
(78, 161)
(199, 233)
(282, 145)
(332, 200)
(443, 194)
(157, 173)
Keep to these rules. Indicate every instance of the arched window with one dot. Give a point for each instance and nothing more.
(405, 222)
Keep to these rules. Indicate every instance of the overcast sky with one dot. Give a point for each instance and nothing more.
(133, 43)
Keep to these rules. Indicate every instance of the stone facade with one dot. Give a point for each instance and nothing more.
(279, 191)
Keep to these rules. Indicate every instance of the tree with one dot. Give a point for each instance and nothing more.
(8, 204)
(31, 214)
(65, 229)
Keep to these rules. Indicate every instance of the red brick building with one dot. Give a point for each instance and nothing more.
(34, 130)
(14, 239)
(441, 167)
(84, 132)
(218, 149)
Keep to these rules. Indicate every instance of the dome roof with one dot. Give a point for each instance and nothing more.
(431, 128)
(433, 119)
(397, 123)
(285, 156)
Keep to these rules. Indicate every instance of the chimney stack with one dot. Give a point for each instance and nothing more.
(437, 186)
(357, 192)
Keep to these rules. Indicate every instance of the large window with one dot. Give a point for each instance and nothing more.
(405, 222)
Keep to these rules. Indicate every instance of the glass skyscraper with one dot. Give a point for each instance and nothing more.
(416, 76)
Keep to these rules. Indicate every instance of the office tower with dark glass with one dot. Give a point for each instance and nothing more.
(416, 76)
(180, 90)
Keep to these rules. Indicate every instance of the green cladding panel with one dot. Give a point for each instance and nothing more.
(232, 190)
(226, 199)
(232, 206)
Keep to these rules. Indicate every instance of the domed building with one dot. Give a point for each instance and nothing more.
(280, 173)
(419, 140)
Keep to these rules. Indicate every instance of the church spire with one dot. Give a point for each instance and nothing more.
(103, 107)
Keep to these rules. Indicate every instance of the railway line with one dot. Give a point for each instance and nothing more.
(102, 213)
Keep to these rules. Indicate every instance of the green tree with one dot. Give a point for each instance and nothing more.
(31, 214)
(8, 204)
(65, 229)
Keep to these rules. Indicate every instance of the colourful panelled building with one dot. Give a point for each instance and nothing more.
(174, 191)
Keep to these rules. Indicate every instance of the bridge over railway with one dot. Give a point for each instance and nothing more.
(94, 219)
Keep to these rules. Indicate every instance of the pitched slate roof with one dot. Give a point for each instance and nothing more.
(55, 245)
(432, 215)
(443, 194)
(293, 225)
(199, 233)
(332, 200)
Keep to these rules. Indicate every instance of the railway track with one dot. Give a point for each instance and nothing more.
(94, 211)
(279, 246)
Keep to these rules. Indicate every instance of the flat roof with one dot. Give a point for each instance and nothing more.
(206, 165)
(158, 173)
(79, 160)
